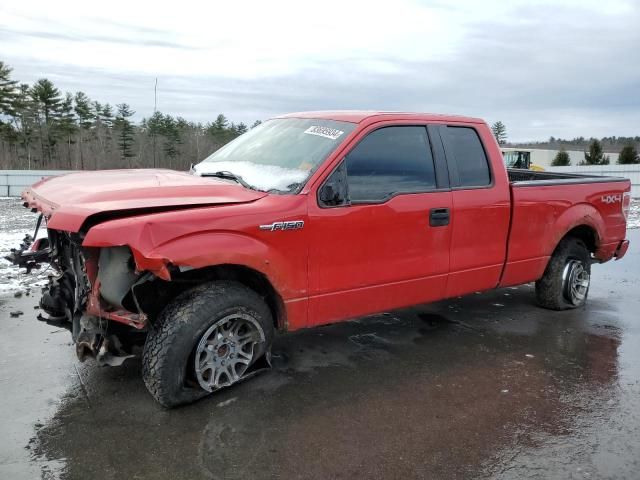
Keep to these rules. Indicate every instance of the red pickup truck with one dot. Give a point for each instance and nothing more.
(308, 219)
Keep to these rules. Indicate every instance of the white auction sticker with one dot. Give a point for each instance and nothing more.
(325, 132)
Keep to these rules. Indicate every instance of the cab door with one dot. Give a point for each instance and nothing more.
(482, 210)
(380, 226)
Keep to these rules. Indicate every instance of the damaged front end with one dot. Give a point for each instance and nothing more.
(91, 293)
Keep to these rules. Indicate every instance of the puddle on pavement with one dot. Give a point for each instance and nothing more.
(444, 398)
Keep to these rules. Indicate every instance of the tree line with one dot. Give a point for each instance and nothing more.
(609, 144)
(42, 128)
(594, 155)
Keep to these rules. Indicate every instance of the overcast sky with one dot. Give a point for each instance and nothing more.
(544, 68)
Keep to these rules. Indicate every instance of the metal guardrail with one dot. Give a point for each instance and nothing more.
(632, 172)
(13, 182)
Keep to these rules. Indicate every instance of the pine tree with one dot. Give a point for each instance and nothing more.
(82, 109)
(97, 110)
(221, 123)
(48, 101)
(561, 159)
(99, 131)
(67, 125)
(256, 123)
(125, 131)
(7, 90)
(628, 155)
(8, 132)
(106, 118)
(595, 156)
(153, 127)
(220, 130)
(24, 119)
(107, 115)
(500, 132)
(171, 134)
(241, 128)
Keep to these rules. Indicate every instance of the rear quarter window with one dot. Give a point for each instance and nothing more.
(469, 156)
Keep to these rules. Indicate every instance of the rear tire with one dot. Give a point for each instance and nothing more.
(203, 320)
(566, 280)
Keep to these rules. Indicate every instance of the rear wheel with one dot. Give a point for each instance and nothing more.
(566, 280)
(205, 340)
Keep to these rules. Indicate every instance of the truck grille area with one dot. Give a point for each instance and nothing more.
(67, 291)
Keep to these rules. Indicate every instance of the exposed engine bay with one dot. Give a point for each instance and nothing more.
(91, 293)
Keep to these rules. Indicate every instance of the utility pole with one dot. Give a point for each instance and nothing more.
(155, 108)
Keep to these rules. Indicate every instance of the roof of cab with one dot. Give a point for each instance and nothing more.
(358, 116)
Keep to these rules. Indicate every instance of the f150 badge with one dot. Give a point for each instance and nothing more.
(608, 199)
(292, 225)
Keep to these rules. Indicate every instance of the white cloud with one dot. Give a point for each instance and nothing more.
(539, 66)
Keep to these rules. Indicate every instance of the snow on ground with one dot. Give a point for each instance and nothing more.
(634, 216)
(16, 221)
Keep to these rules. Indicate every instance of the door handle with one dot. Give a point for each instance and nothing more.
(439, 217)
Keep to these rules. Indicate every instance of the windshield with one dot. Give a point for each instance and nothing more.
(278, 155)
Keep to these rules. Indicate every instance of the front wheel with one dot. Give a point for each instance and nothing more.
(566, 280)
(205, 340)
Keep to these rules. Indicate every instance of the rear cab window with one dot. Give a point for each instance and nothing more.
(468, 162)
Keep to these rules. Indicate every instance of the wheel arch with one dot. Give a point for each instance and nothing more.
(586, 233)
(253, 279)
(581, 221)
(257, 281)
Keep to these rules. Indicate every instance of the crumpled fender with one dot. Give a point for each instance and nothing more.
(154, 251)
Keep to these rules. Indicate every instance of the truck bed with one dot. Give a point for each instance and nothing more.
(541, 216)
(521, 177)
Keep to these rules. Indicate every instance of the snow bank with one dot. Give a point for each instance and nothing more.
(15, 222)
(634, 215)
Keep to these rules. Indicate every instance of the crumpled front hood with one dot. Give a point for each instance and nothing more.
(68, 200)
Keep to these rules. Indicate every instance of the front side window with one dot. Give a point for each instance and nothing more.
(389, 161)
(279, 155)
(471, 161)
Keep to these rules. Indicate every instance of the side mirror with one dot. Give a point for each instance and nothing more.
(327, 194)
(334, 191)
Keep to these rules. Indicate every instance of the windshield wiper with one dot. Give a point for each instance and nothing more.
(231, 176)
(290, 188)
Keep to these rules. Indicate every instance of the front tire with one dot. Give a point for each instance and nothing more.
(566, 280)
(206, 339)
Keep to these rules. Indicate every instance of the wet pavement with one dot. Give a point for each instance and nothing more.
(485, 386)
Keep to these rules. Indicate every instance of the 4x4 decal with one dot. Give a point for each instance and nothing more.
(608, 199)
